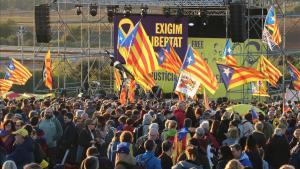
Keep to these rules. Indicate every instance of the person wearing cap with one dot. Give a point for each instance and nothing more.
(69, 138)
(53, 132)
(23, 153)
(123, 156)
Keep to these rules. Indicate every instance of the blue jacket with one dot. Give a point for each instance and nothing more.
(244, 159)
(150, 160)
(23, 153)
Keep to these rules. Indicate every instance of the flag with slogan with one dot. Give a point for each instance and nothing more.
(195, 66)
(187, 85)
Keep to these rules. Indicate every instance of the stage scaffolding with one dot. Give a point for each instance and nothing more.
(100, 22)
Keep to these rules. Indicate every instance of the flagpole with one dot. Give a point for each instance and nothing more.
(283, 56)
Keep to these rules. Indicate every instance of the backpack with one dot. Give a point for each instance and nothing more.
(128, 166)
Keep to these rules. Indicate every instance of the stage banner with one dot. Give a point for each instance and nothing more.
(160, 30)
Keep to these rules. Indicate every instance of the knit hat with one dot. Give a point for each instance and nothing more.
(123, 148)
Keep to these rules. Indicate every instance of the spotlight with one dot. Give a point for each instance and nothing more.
(204, 18)
(191, 24)
(127, 10)
(144, 10)
(78, 9)
(111, 11)
(93, 9)
(167, 11)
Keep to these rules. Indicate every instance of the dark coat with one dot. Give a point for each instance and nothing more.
(224, 125)
(222, 163)
(69, 141)
(104, 163)
(277, 151)
(260, 138)
(166, 161)
(255, 159)
(69, 137)
(84, 141)
(295, 156)
(23, 153)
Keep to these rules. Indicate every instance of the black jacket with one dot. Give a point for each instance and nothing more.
(295, 156)
(255, 159)
(166, 161)
(69, 137)
(260, 138)
(277, 151)
(85, 138)
(222, 163)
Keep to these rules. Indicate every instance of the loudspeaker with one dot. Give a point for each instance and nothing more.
(238, 22)
(42, 23)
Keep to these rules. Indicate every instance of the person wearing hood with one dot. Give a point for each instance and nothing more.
(148, 159)
(23, 153)
(147, 119)
(190, 162)
(237, 153)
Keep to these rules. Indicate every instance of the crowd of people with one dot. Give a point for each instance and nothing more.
(99, 133)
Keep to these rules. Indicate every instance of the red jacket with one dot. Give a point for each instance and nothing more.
(128, 128)
(180, 116)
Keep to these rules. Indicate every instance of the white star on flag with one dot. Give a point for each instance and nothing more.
(226, 71)
(228, 50)
(190, 59)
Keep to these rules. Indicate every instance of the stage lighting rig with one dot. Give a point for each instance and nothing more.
(204, 18)
(111, 12)
(78, 9)
(167, 11)
(144, 10)
(93, 9)
(127, 10)
(179, 12)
